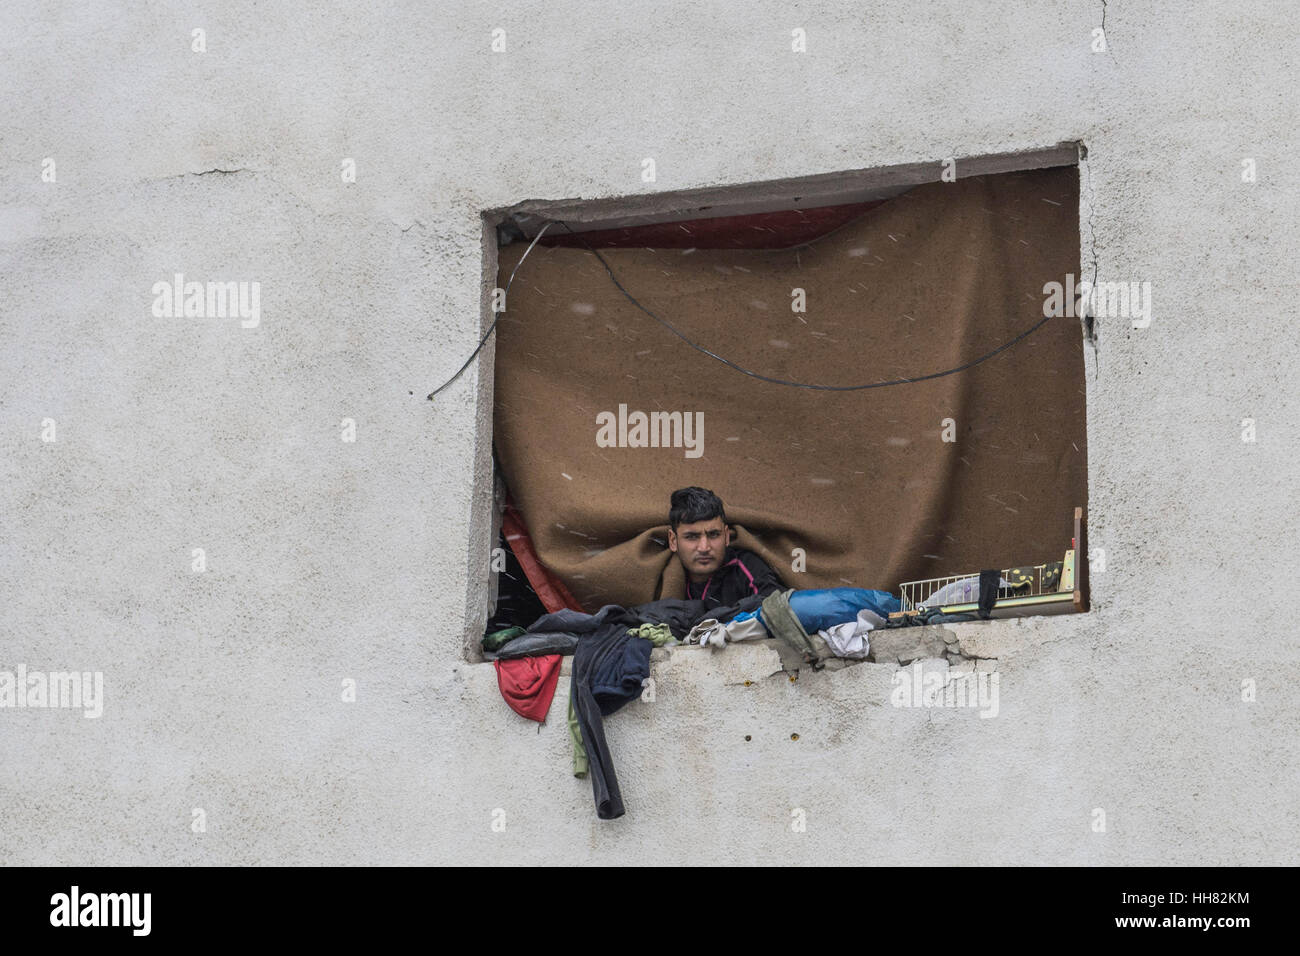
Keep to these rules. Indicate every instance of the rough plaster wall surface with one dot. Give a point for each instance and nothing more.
(329, 561)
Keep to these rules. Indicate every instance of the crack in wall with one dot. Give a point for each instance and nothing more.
(216, 170)
(1090, 331)
(953, 653)
(1103, 32)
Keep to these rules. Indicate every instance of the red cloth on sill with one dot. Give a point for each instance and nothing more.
(528, 684)
(554, 595)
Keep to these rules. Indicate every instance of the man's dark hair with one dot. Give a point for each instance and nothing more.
(693, 504)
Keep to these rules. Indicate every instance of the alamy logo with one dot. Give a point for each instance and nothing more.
(655, 430)
(102, 909)
(215, 300)
(71, 689)
(1124, 300)
(916, 687)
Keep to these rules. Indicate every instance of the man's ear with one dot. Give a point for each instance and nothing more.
(672, 540)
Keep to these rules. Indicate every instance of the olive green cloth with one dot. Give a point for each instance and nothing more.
(579, 751)
(786, 627)
(498, 639)
(656, 634)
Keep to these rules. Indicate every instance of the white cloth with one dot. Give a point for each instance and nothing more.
(711, 633)
(850, 639)
(708, 633)
(750, 629)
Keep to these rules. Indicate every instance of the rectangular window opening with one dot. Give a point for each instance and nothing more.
(618, 379)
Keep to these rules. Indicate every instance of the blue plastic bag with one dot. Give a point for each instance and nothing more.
(818, 610)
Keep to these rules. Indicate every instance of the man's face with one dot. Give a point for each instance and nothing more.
(700, 546)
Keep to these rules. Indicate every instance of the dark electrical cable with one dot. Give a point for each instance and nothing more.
(779, 381)
(495, 317)
(730, 364)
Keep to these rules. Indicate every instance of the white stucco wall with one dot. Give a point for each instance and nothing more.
(329, 560)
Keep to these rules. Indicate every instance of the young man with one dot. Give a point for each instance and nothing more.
(717, 574)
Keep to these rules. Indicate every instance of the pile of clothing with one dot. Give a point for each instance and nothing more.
(818, 624)
(611, 656)
(611, 661)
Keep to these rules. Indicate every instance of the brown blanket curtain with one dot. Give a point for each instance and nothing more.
(855, 487)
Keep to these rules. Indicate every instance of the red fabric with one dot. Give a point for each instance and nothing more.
(528, 684)
(554, 595)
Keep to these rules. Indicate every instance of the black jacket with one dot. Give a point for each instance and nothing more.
(609, 666)
(743, 574)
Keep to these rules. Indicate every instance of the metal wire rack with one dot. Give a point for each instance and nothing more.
(1052, 587)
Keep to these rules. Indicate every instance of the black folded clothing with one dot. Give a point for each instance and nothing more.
(537, 645)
